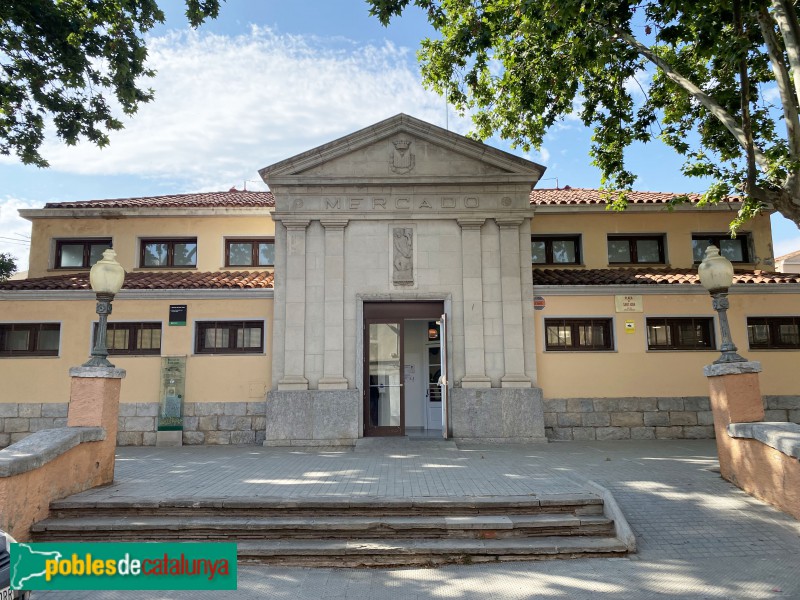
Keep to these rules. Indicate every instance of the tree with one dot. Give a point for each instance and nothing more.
(723, 74)
(8, 266)
(62, 60)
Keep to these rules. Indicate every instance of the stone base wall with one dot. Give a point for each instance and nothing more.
(312, 418)
(18, 421)
(497, 415)
(646, 418)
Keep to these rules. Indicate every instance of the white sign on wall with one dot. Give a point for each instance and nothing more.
(628, 304)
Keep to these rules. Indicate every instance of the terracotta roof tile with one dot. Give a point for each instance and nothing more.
(175, 280)
(568, 195)
(648, 277)
(232, 198)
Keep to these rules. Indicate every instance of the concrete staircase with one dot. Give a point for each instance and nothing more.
(357, 531)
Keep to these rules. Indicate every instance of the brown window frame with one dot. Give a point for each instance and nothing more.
(632, 239)
(716, 239)
(772, 323)
(133, 328)
(673, 323)
(574, 325)
(34, 329)
(548, 248)
(254, 262)
(232, 326)
(87, 250)
(170, 252)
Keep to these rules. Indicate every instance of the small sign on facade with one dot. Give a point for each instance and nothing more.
(627, 303)
(538, 303)
(630, 327)
(177, 314)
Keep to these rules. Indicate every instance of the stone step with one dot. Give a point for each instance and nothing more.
(577, 504)
(239, 528)
(366, 552)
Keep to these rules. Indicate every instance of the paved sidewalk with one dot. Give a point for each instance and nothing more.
(699, 536)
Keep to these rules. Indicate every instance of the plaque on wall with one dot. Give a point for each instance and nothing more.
(177, 314)
(173, 383)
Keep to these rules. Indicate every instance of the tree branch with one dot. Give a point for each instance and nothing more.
(782, 14)
(744, 94)
(782, 79)
(707, 101)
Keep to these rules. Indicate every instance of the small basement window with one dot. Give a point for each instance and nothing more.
(229, 337)
(29, 339)
(680, 333)
(578, 334)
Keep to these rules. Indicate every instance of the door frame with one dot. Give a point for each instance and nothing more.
(391, 312)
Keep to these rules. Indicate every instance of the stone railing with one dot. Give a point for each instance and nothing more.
(56, 463)
(759, 457)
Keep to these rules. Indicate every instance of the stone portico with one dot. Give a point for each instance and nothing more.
(402, 211)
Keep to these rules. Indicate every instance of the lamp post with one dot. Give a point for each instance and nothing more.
(716, 275)
(106, 279)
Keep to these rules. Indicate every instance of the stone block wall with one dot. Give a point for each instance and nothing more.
(646, 418)
(18, 420)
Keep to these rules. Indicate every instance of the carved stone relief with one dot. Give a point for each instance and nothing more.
(403, 258)
(402, 160)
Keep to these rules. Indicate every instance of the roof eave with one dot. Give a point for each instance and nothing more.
(144, 211)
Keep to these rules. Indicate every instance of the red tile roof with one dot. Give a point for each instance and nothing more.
(568, 195)
(175, 280)
(232, 198)
(648, 277)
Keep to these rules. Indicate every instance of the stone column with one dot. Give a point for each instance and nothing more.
(735, 398)
(511, 290)
(475, 366)
(294, 329)
(94, 402)
(333, 366)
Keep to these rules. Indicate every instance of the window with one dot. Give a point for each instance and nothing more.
(555, 250)
(680, 333)
(735, 250)
(249, 253)
(132, 338)
(578, 334)
(229, 337)
(169, 253)
(79, 254)
(629, 249)
(29, 339)
(773, 332)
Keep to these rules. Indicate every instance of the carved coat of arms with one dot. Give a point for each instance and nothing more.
(402, 160)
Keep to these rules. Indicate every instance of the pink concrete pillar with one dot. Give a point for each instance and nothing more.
(94, 402)
(735, 398)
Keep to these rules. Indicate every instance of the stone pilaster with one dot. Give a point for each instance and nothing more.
(333, 365)
(511, 290)
(295, 333)
(475, 364)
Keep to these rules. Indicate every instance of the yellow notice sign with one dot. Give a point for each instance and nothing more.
(630, 327)
(628, 303)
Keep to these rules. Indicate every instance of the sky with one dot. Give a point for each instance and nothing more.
(267, 80)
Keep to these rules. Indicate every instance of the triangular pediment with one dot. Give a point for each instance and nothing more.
(398, 148)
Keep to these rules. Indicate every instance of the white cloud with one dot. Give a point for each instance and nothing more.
(638, 85)
(227, 106)
(16, 231)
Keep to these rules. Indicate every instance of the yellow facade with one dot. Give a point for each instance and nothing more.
(210, 377)
(631, 370)
(126, 232)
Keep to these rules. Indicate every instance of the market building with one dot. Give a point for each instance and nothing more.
(401, 280)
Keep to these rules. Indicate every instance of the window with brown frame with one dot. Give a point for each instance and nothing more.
(29, 339)
(229, 337)
(249, 253)
(556, 250)
(168, 253)
(633, 249)
(132, 338)
(736, 249)
(578, 334)
(780, 333)
(680, 333)
(79, 254)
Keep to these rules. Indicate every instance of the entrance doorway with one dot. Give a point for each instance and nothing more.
(405, 383)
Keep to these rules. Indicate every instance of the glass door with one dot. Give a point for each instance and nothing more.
(383, 387)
